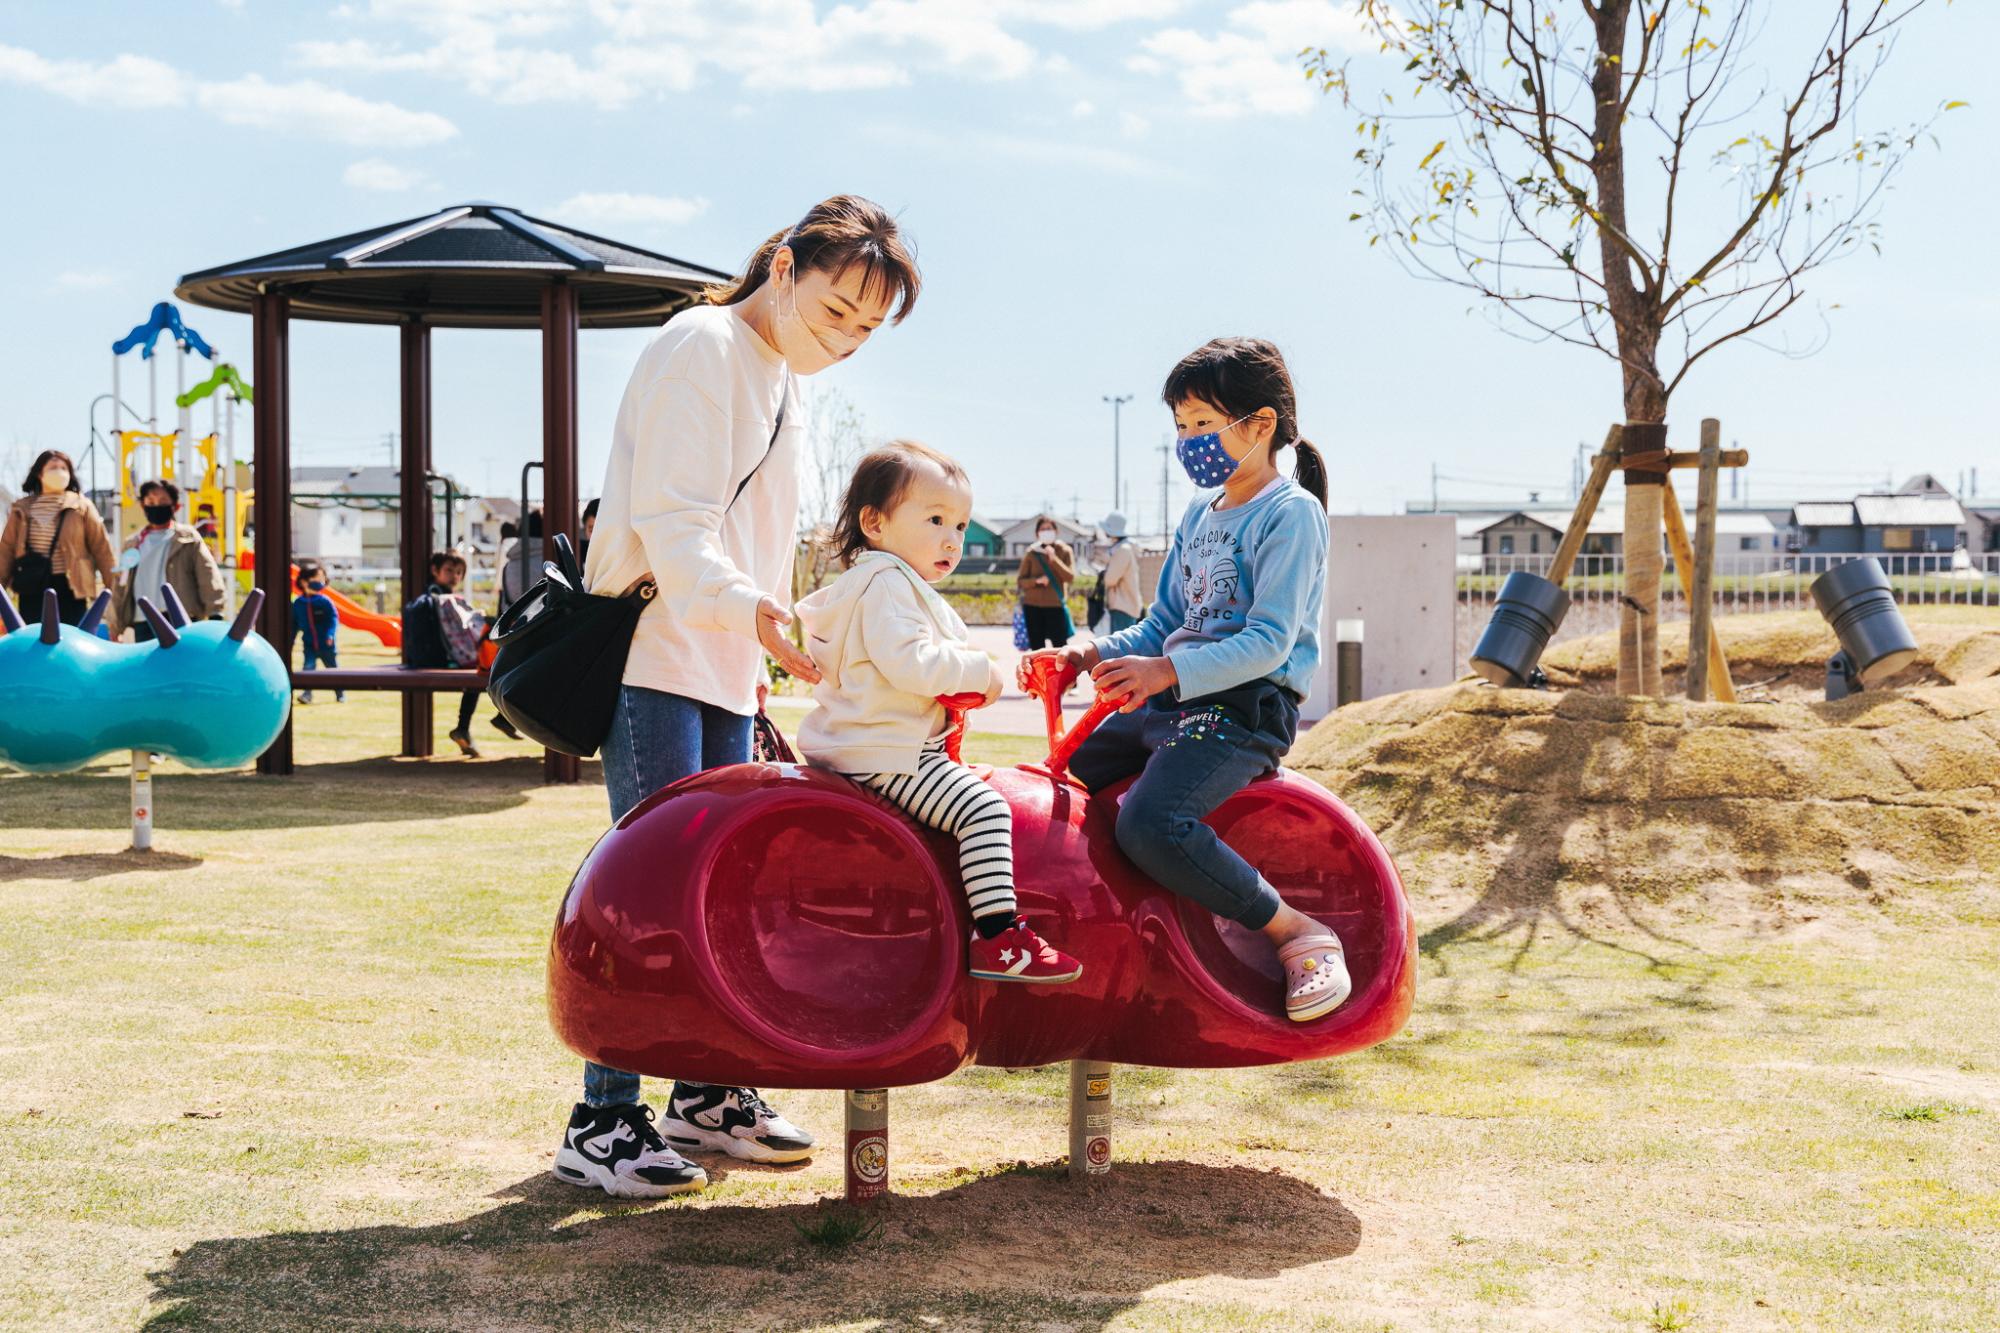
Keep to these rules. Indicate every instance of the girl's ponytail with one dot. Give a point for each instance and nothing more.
(1310, 469)
(1242, 376)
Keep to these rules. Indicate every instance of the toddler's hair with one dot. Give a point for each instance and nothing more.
(1242, 376)
(439, 559)
(307, 568)
(880, 480)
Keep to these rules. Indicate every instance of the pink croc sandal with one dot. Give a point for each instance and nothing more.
(1316, 980)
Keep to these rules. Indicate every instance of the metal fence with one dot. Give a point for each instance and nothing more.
(1744, 584)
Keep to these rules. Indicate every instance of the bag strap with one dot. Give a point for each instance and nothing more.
(784, 401)
(55, 539)
(1047, 573)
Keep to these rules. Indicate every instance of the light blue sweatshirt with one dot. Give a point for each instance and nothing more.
(1239, 597)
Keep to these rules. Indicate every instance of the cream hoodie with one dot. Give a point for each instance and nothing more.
(886, 645)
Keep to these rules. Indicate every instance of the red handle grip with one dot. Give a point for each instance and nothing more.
(1047, 678)
(956, 706)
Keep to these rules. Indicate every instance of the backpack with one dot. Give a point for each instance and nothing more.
(423, 634)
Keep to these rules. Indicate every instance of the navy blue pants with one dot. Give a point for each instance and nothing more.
(657, 739)
(1191, 757)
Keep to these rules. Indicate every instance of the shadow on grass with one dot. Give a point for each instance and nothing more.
(1024, 1247)
(81, 866)
(350, 792)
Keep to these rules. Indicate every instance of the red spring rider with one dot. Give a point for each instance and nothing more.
(778, 925)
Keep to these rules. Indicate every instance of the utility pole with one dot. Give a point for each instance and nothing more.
(1434, 488)
(1166, 454)
(1117, 476)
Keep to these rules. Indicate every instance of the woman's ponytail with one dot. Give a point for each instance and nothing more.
(754, 273)
(1310, 469)
(836, 235)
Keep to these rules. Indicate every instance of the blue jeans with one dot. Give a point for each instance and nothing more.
(1190, 758)
(657, 739)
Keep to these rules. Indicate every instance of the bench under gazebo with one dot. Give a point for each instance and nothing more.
(476, 266)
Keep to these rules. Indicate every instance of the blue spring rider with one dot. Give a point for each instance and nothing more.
(209, 694)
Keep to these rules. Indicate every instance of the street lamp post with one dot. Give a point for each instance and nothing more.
(1117, 477)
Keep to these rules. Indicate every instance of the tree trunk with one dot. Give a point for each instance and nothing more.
(1632, 296)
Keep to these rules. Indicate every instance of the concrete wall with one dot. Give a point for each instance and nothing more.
(1397, 575)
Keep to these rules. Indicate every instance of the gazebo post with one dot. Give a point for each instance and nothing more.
(415, 510)
(272, 476)
(559, 324)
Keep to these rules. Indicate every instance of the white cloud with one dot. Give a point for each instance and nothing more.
(127, 82)
(85, 280)
(313, 109)
(130, 82)
(372, 173)
(613, 210)
(1252, 66)
(1051, 152)
(1133, 125)
(1083, 110)
(615, 52)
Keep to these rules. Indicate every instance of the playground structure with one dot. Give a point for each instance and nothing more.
(208, 694)
(477, 265)
(205, 469)
(776, 925)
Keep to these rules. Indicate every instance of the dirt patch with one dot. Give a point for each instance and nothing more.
(1781, 809)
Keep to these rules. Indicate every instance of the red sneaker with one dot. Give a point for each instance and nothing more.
(1019, 954)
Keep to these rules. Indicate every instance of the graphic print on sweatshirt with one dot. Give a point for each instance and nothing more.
(1212, 583)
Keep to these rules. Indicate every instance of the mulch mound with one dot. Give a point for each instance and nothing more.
(1530, 796)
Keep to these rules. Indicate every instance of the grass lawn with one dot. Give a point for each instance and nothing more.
(292, 1070)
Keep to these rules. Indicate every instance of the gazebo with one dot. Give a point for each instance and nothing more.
(476, 265)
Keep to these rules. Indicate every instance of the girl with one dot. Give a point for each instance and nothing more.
(887, 646)
(1047, 569)
(314, 617)
(1212, 678)
(701, 497)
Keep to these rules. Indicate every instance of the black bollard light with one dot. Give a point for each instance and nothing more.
(1524, 619)
(1875, 641)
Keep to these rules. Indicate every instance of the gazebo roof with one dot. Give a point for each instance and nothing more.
(477, 265)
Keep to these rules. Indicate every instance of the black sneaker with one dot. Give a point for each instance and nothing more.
(707, 1117)
(505, 728)
(616, 1149)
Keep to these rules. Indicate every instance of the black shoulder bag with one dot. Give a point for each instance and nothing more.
(562, 650)
(35, 571)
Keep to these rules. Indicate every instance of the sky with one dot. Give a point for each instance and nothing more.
(1093, 187)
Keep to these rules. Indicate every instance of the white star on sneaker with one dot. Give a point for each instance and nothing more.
(1006, 955)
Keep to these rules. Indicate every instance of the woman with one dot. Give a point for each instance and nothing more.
(54, 539)
(701, 497)
(1047, 569)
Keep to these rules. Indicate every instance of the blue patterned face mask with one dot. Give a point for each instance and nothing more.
(1206, 461)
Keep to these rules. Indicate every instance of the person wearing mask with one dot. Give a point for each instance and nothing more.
(168, 552)
(1047, 569)
(1120, 578)
(701, 499)
(54, 539)
(317, 621)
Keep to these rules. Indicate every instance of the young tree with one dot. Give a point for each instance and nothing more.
(1624, 176)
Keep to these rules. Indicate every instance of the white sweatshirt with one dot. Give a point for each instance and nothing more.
(696, 418)
(887, 646)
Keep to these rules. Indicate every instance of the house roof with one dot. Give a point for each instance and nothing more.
(1908, 511)
(1823, 514)
(476, 265)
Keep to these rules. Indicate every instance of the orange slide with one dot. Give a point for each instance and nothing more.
(389, 629)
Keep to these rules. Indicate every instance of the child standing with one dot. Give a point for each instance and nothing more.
(314, 617)
(887, 646)
(1213, 677)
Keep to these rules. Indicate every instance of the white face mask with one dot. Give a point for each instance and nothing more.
(806, 347)
(54, 479)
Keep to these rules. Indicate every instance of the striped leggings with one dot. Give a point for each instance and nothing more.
(950, 798)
